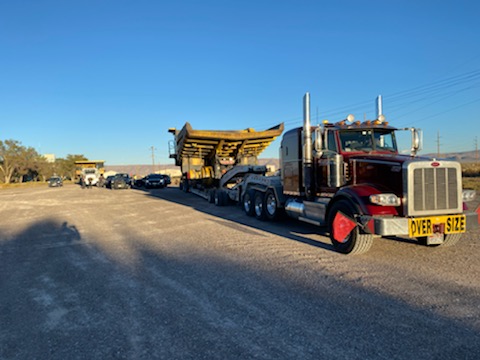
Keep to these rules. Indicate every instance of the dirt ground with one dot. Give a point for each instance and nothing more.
(160, 274)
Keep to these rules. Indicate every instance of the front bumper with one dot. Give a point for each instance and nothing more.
(393, 226)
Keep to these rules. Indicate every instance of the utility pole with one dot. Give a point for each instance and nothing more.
(476, 149)
(438, 144)
(153, 158)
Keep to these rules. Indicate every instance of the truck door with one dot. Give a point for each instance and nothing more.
(329, 173)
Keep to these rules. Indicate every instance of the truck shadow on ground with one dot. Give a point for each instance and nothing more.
(67, 297)
(284, 226)
(305, 233)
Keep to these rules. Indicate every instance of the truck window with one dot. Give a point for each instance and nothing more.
(384, 141)
(367, 140)
(331, 144)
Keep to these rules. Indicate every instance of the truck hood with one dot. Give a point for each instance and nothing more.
(398, 158)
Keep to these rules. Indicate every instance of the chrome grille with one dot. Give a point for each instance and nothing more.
(434, 190)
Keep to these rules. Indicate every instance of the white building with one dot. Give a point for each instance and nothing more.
(49, 157)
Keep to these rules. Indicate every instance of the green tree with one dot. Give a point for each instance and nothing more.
(29, 164)
(18, 162)
(46, 169)
(66, 167)
(10, 159)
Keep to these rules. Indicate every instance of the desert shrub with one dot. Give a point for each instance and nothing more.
(471, 170)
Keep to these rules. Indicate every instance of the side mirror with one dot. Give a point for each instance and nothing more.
(318, 145)
(417, 140)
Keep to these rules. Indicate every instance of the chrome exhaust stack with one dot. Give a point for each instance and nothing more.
(379, 106)
(307, 147)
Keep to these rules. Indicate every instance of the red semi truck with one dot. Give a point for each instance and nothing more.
(350, 177)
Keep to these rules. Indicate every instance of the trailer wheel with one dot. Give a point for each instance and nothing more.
(354, 242)
(258, 205)
(248, 202)
(270, 205)
(220, 198)
(211, 196)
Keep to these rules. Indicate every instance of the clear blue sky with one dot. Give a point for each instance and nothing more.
(107, 78)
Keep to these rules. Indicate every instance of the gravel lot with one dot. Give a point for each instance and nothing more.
(131, 274)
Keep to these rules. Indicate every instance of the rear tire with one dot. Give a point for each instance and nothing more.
(258, 205)
(355, 242)
(248, 202)
(270, 206)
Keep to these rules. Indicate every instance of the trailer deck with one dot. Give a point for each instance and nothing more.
(226, 144)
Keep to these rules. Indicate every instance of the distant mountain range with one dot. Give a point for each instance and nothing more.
(170, 169)
(463, 157)
(142, 170)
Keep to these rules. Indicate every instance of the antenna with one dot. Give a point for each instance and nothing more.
(438, 144)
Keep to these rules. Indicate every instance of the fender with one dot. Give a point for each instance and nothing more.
(359, 194)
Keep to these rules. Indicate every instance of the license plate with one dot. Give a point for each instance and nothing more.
(427, 226)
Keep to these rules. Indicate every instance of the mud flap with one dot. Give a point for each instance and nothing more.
(342, 226)
(367, 224)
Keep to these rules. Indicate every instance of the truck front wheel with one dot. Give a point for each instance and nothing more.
(353, 242)
(448, 240)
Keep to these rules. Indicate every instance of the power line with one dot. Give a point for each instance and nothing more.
(424, 95)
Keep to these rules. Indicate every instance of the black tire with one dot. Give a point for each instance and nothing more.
(451, 239)
(247, 202)
(354, 242)
(270, 206)
(220, 198)
(258, 205)
(211, 196)
(448, 240)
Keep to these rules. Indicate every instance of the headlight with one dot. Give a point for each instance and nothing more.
(385, 199)
(468, 195)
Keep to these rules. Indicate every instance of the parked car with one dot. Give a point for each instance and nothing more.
(154, 181)
(139, 182)
(168, 181)
(108, 181)
(127, 178)
(55, 181)
(121, 181)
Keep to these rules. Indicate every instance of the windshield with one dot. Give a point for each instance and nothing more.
(368, 140)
